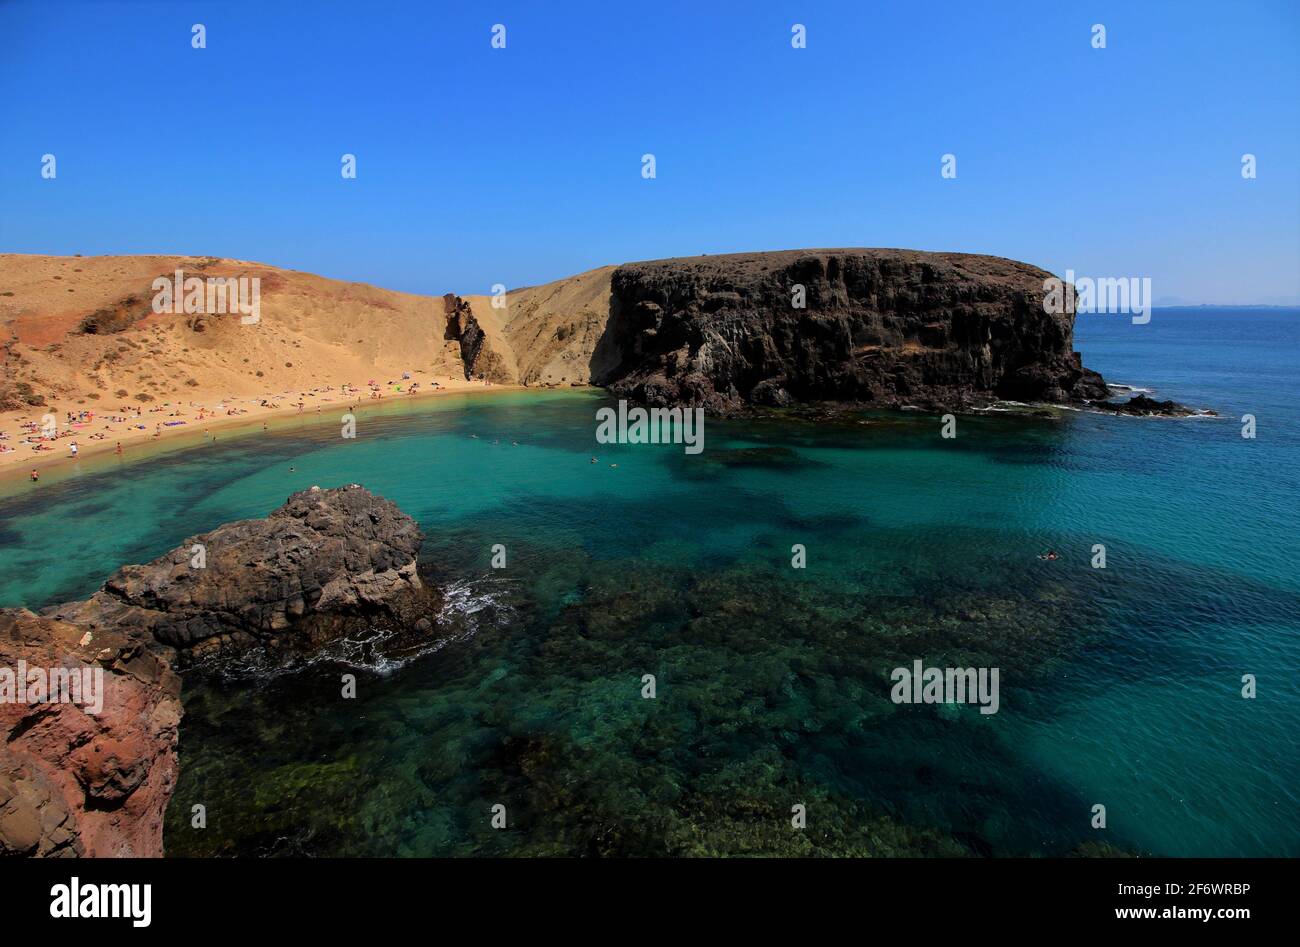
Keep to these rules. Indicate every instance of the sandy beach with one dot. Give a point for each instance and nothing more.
(180, 425)
(88, 357)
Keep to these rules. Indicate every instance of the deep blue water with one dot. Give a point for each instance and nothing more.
(1119, 686)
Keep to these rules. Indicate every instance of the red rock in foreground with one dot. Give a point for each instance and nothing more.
(326, 564)
(73, 783)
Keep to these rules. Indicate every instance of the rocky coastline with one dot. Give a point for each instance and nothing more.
(327, 564)
(739, 333)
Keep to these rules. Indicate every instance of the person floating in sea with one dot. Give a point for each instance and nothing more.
(1050, 555)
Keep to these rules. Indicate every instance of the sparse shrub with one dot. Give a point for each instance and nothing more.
(21, 395)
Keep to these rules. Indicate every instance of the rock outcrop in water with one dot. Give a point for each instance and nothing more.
(327, 564)
(884, 327)
(1142, 406)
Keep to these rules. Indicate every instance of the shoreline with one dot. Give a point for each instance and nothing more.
(140, 445)
(15, 470)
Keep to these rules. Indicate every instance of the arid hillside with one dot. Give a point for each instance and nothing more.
(80, 330)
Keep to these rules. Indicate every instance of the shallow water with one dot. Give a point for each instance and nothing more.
(1118, 686)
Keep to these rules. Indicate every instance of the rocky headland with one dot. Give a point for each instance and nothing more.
(327, 564)
(890, 328)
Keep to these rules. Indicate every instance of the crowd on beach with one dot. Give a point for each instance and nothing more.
(42, 433)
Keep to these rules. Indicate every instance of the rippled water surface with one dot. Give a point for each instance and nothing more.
(1119, 687)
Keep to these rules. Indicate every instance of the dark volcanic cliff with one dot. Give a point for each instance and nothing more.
(887, 327)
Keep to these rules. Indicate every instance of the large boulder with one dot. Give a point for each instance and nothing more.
(327, 563)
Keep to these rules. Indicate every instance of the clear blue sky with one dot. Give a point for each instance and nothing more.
(478, 166)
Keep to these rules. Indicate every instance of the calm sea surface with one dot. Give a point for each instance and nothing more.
(1119, 686)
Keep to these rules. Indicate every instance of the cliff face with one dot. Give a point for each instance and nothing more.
(886, 327)
(476, 352)
(326, 564)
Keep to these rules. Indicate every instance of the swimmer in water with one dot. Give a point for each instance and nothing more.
(35, 475)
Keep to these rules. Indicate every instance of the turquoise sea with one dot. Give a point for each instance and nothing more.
(1119, 686)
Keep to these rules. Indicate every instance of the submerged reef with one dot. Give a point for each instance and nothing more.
(769, 695)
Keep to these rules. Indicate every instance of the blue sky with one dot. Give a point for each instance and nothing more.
(477, 166)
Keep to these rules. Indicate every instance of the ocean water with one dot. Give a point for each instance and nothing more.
(1119, 686)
